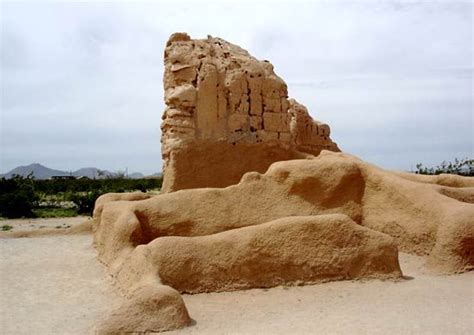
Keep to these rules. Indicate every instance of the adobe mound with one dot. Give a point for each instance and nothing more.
(421, 218)
(294, 213)
(152, 308)
(291, 250)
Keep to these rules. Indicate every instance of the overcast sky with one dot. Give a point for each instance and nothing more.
(81, 82)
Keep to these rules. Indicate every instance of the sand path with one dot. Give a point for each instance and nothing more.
(55, 285)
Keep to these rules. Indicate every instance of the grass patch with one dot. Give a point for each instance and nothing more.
(52, 212)
(6, 227)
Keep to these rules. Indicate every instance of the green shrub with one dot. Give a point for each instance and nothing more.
(463, 167)
(26, 197)
(17, 197)
(6, 227)
(85, 201)
(66, 187)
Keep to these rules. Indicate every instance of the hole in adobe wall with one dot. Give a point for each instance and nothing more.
(143, 234)
(252, 129)
(467, 250)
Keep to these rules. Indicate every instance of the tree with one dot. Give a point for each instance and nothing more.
(463, 167)
(17, 196)
(85, 202)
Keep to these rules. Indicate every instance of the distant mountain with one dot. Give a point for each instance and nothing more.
(39, 171)
(42, 172)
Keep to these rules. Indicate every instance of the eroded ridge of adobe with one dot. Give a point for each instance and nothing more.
(221, 99)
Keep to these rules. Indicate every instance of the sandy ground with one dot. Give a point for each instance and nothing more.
(35, 224)
(52, 284)
(421, 304)
(55, 285)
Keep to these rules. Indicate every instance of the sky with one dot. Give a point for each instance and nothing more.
(81, 82)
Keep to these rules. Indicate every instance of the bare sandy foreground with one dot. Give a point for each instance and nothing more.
(55, 285)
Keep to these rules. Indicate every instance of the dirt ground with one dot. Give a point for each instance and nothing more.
(55, 285)
(39, 224)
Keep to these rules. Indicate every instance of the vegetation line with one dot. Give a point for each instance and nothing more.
(29, 198)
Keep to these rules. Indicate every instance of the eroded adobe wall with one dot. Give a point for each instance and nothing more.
(228, 113)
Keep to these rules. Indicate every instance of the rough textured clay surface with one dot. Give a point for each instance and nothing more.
(202, 240)
(291, 208)
(418, 214)
(228, 113)
(291, 250)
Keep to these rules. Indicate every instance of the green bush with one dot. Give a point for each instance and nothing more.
(463, 167)
(17, 197)
(72, 186)
(27, 197)
(6, 227)
(85, 202)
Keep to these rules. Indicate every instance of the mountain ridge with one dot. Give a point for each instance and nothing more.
(40, 171)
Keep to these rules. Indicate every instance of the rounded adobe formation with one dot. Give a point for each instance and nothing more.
(151, 308)
(421, 216)
(286, 251)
